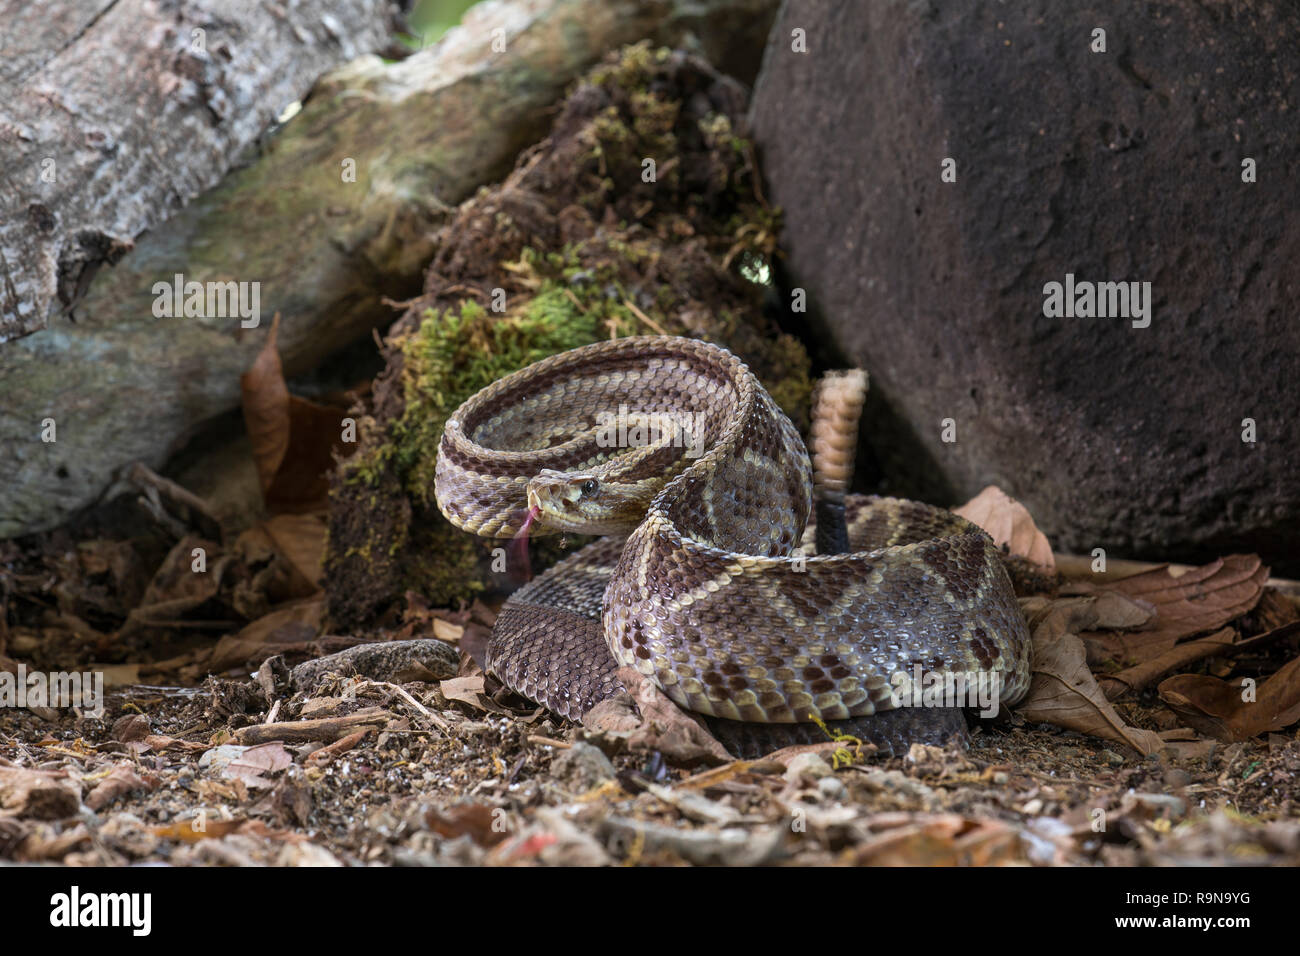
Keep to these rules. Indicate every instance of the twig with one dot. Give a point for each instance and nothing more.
(576, 301)
(433, 718)
(643, 317)
(304, 731)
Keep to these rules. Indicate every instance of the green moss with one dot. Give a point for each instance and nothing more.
(453, 354)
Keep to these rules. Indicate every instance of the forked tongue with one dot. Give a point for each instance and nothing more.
(520, 568)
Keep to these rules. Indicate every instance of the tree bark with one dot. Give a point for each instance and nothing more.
(115, 112)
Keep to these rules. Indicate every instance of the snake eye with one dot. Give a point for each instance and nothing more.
(589, 488)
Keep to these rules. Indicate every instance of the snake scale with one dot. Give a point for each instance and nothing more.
(705, 581)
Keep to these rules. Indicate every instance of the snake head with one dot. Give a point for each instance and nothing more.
(580, 503)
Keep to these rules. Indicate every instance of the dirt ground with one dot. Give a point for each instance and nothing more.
(364, 771)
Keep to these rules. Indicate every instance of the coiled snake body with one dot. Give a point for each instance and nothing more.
(705, 583)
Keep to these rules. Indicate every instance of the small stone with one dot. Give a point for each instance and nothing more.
(1177, 778)
(831, 788)
(1001, 777)
(1033, 807)
(583, 767)
(807, 765)
(1112, 758)
(896, 783)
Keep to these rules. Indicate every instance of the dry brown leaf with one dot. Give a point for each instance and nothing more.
(1120, 612)
(39, 794)
(478, 820)
(1009, 523)
(119, 675)
(176, 588)
(197, 828)
(256, 763)
(131, 727)
(293, 439)
(300, 540)
(1148, 672)
(469, 690)
(121, 780)
(302, 483)
(1274, 610)
(1201, 600)
(1216, 708)
(666, 728)
(1063, 690)
(418, 619)
(265, 398)
(289, 626)
(947, 840)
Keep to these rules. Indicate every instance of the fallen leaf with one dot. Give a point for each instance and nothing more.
(1274, 610)
(254, 764)
(197, 828)
(946, 840)
(1009, 523)
(300, 540)
(177, 588)
(265, 399)
(666, 728)
(290, 625)
(1203, 599)
(293, 440)
(481, 822)
(1179, 656)
(1217, 708)
(129, 728)
(39, 794)
(121, 780)
(446, 631)
(1116, 611)
(1063, 690)
(297, 543)
(118, 675)
(469, 690)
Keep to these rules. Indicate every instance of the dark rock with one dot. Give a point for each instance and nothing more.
(1117, 166)
(582, 767)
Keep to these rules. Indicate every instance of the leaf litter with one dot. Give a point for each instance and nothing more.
(370, 756)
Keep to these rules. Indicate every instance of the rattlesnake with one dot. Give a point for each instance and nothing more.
(704, 582)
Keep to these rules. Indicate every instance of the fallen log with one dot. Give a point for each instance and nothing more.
(114, 113)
